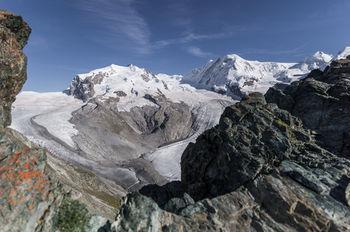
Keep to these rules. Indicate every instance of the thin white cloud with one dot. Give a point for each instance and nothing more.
(190, 37)
(121, 20)
(198, 52)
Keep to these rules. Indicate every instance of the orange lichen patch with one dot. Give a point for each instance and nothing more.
(29, 174)
(23, 179)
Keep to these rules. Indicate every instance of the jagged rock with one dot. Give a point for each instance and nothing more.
(14, 33)
(162, 194)
(252, 139)
(31, 197)
(258, 170)
(28, 196)
(269, 203)
(322, 102)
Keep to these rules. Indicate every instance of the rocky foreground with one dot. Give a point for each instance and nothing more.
(263, 168)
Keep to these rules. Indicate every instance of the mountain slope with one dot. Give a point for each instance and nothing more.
(234, 76)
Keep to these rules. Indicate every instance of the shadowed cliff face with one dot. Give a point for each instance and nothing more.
(322, 102)
(14, 33)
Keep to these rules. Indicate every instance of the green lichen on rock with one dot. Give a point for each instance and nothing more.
(72, 216)
(17, 26)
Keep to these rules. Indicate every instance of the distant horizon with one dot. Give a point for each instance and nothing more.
(163, 36)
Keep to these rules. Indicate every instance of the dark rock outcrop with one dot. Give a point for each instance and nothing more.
(252, 139)
(14, 33)
(258, 170)
(322, 102)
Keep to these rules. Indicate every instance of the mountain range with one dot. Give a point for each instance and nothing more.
(130, 126)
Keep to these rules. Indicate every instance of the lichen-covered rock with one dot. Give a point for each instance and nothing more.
(31, 197)
(28, 196)
(322, 102)
(258, 170)
(14, 33)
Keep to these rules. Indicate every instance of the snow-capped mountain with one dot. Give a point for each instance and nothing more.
(129, 85)
(319, 60)
(125, 124)
(234, 76)
(343, 54)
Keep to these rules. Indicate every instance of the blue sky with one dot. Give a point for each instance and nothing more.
(172, 36)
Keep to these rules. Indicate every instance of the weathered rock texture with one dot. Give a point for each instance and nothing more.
(252, 139)
(27, 194)
(31, 198)
(258, 170)
(14, 33)
(322, 102)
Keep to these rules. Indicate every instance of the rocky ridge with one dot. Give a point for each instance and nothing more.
(261, 169)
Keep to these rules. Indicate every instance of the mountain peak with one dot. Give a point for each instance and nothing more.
(233, 57)
(322, 56)
(343, 54)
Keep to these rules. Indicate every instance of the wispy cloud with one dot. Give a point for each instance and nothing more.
(122, 23)
(191, 37)
(198, 52)
(121, 19)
